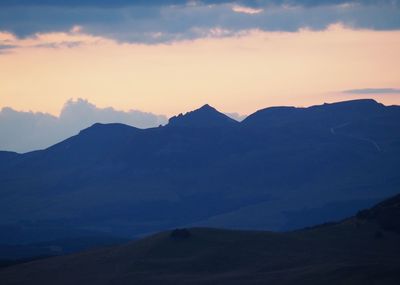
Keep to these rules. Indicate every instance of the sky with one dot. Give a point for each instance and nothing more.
(162, 58)
(27, 131)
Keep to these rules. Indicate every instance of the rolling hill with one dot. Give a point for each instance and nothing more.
(364, 249)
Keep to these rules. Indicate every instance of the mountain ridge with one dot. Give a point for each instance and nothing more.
(205, 116)
(115, 178)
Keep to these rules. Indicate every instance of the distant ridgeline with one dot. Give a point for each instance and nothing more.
(281, 168)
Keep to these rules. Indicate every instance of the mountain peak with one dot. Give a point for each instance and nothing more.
(205, 116)
(207, 107)
(109, 128)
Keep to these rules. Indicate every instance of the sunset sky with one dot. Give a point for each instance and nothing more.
(168, 57)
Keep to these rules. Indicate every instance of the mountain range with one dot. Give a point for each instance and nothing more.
(280, 169)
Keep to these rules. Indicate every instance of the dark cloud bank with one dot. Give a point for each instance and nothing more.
(171, 20)
(124, 3)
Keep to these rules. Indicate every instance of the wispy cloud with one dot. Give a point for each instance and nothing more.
(372, 91)
(247, 10)
(70, 39)
(6, 48)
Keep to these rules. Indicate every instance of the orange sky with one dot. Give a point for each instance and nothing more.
(235, 74)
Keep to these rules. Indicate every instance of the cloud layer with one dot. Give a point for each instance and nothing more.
(174, 20)
(26, 131)
(373, 91)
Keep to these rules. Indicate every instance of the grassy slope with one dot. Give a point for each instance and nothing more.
(346, 253)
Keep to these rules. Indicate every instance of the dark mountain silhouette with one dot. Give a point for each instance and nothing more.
(323, 115)
(6, 157)
(385, 214)
(358, 250)
(281, 168)
(205, 116)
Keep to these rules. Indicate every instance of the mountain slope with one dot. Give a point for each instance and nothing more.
(355, 251)
(206, 116)
(281, 168)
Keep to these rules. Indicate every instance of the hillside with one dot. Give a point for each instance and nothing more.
(281, 168)
(359, 250)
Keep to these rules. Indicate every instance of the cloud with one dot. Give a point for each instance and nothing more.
(236, 116)
(27, 131)
(6, 48)
(372, 91)
(125, 3)
(174, 20)
(246, 10)
(70, 39)
(83, 112)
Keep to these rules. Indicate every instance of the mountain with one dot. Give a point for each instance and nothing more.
(205, 116)
(317, 116)
(357, 250)
(281, 168)
(6, 157)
